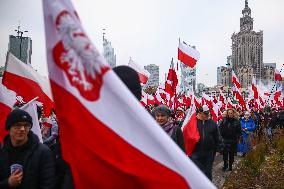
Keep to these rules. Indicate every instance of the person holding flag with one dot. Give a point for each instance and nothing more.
(208, 144)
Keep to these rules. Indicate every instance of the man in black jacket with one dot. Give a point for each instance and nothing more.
(230, 130)
(24, 162)
(208, 144)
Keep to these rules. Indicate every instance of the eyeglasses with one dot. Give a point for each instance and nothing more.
(20, 125)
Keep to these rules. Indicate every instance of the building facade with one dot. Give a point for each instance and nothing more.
(108, 53)
(268, 73)
(188, 78)
(247, 50)
(153, 80)
(247, 55)
(224, 75)
(21, 47)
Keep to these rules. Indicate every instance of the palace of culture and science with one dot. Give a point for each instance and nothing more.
(247, 56)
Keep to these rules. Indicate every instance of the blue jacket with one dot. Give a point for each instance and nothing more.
(249, 125)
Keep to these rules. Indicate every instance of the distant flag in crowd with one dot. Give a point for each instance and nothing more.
(187, 54)
(101, 124)
(27, 83)
(277, 95)
(7, 101)
(254, 89)
(143, 74)
(172, 81)
(277, 75)
(235, 80)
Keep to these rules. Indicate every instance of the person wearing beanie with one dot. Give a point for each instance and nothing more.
(130, 78)
(162, 115)
(24, 162)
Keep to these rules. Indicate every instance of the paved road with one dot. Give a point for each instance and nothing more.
(219, 175)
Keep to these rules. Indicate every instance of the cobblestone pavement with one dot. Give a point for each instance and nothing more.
(219, 176)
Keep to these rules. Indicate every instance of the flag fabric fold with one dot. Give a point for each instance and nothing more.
(190, 131)
(277, 76)
(7, 101)
(143, 74)
(27, 83)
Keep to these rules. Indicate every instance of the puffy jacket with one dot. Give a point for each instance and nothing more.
(249, 125)
(209, 136)
(38, 165)
(230, 130)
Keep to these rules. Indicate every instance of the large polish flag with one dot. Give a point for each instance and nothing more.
(187, 54)
(27, 83)
(7, 101)
(107, 137)
(143, 74)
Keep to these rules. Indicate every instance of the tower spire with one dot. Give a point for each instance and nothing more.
(246, 3)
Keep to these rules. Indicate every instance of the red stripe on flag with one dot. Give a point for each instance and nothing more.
(191, 134)
(184, 58)
(108, 158)
(143, 79)
(5, 110)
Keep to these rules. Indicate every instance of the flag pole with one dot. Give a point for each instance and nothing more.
(34, 99)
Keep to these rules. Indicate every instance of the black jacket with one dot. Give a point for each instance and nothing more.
(209, 137)
(230, 130)
(177, 136)
(37, 160)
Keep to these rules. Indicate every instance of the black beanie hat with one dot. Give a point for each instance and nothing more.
(16, 116)
(163, 109)
(130, 78)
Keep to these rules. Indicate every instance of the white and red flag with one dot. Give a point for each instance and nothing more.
(187, 54)
(254, 89)
(31, 108)
(190, 131)
(235, 80)
(277, 75)
(143, 74)
(7, 101)
(108, 139)
(27, 83)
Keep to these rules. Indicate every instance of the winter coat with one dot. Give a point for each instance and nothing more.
(174, 131)
(245, 143)
(209, 137)
(230, 130)
(249, 125)
(37, 160)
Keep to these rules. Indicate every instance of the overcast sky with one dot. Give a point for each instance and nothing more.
(148, 30)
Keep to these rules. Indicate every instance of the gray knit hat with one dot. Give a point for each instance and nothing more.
(163, 109)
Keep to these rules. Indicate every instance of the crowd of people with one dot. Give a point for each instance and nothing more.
(28, 164)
